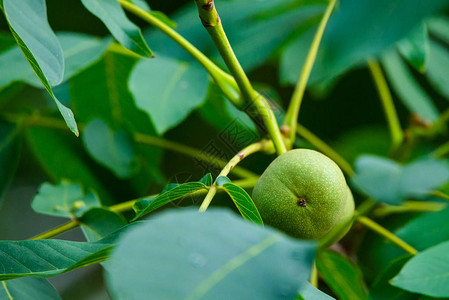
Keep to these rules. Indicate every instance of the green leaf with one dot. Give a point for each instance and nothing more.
(309, 292)
(437, 68)
(434, 224)
(46, 258)
(10, 147)
(28, 288)
(112, 149)
(241, 199)
(30, 28)
(80, 51)
(439, 26)
(341, 275)
(207, 179)
(427, 273)
(98, 223)
(101, 92)
(168, 90)
(405, 85)
(63, 200)
(115, 19)
(415, 47)
(386, 181)
(209, 256)
(52, 148)
(382, 289)
(170, 193)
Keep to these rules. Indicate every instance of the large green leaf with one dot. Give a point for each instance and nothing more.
(212, 255)
(170, 193)
(309, 292)
(427, 273)
(46, 258)
(30, 28)
(408, 89)
(63, 200)
(241, 199)
(101, 92)
(382, 289)
(98, 223)
(115, 19)
(112, 149)
(168, 89)
(435, 225)
(438, 68)
(387, 181)
(439, 27)
(27, 288)
(341, 275)
(415, 47)
(10, 146)
(53, 148)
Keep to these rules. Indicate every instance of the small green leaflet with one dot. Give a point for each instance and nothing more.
(28, 288)
(208, 255)
(115, 19)
(426, 273)
(63, 200)
(28, 23)
(241, 199)
(341, 275)
(170, 193)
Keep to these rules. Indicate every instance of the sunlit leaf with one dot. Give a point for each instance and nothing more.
(115, 19)
(341, 275)
(387, 181)
(63, 200)
(408, 89)
(110, 148)
(168, 90)
(170, 193)
(30, 28)
(28, 288)
(241, 199)
(209, 255)
(415, 47)
(427, 272)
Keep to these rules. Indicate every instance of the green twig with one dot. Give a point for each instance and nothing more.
(314, 275)
(126, 206)
(326, 149)
(291, 116)
(408, 206)
(259, 146)
(48, 122)
(440, 194)
(223, 80)
(387, 104)
(211, 21)
(387, 234)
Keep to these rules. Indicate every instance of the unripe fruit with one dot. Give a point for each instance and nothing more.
(302, 192)
(343, 224)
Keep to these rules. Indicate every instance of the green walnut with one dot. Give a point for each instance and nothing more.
(343, 224)
(303, 193)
